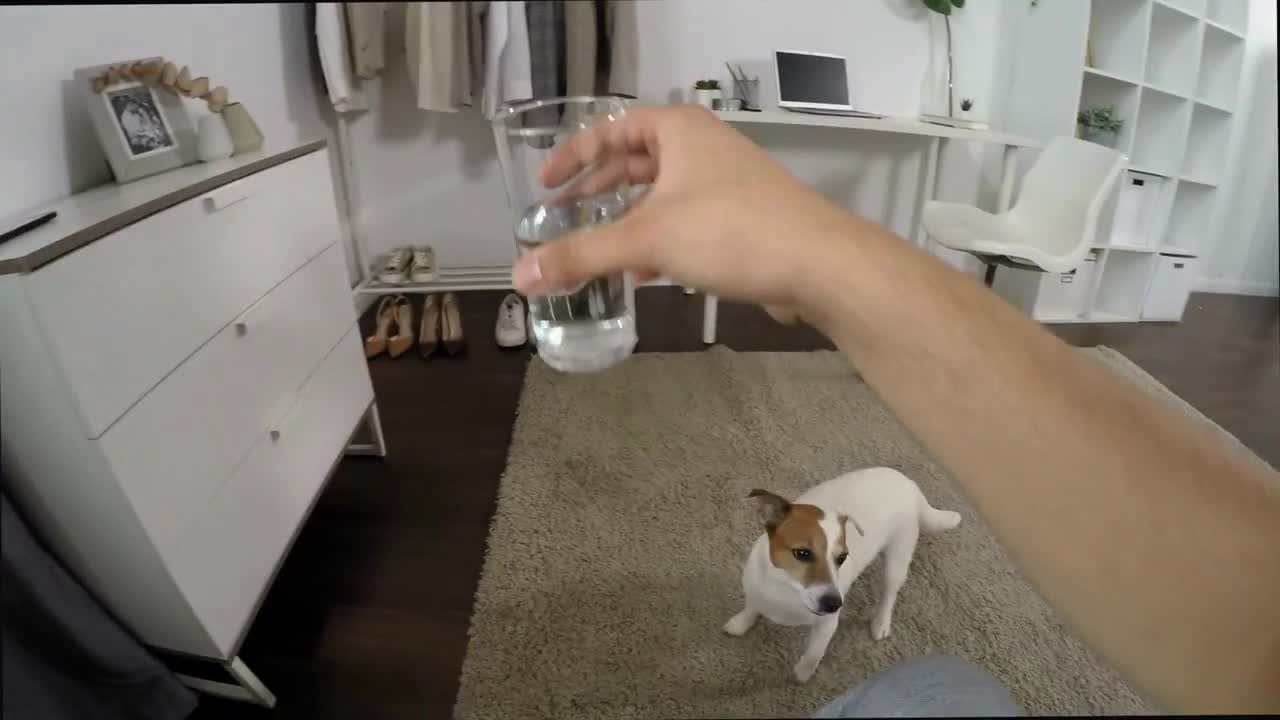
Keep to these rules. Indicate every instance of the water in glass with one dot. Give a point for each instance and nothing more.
(588, 327)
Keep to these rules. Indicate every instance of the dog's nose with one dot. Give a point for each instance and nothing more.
(829, 603)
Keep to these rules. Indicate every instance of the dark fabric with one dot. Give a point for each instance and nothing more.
(64, 655)
(545, 20)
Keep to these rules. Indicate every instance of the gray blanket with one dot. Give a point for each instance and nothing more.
(64, 655)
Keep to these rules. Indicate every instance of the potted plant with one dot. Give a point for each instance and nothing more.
(1099, 125)
(704, 91)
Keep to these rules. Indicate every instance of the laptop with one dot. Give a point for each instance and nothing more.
(812, 82)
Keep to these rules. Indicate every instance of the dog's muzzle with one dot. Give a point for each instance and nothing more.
(829, 603)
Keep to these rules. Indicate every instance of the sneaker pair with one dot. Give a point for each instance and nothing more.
(510, 330)
(408, 264)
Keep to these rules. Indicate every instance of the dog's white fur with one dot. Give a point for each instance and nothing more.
(886, 511)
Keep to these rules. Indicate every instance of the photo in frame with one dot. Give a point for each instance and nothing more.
(142, 130)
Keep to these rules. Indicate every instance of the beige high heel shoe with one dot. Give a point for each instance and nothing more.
(429, 331)
(400, 343)
(451, 325)
(376, 344)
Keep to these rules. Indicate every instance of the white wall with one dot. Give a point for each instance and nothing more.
(262, 53)
(1246, 254)
(432, 177)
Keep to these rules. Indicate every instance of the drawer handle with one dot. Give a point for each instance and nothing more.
(241, 324)
(283, 423)
(228, 195)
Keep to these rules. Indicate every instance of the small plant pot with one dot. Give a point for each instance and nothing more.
(1105, 138)
(705, 97)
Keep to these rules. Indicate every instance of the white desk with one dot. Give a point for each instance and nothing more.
(931, 132)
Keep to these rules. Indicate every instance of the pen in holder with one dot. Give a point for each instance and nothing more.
(748, 90)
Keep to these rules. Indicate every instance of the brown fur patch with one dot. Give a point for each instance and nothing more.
(800, 529)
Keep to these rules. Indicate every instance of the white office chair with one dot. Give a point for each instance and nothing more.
(1053, 223)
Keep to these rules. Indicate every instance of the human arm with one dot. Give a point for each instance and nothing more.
(1158, 544)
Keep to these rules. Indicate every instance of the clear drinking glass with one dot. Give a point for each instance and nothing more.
(589, 327)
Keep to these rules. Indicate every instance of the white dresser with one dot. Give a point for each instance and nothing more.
(180, 371)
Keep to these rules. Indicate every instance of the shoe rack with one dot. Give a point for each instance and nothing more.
(456, 279)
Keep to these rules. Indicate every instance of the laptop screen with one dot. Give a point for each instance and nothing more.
(811, 79)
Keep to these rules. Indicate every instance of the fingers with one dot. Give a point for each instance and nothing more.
(785, 314)
(627, 136)
(580, 256)
(613, 172)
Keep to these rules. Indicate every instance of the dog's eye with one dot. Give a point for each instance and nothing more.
(803, 554)
(841, 558)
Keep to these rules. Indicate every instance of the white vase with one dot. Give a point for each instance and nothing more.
(213, 141)
(704, 97)
(933, 89)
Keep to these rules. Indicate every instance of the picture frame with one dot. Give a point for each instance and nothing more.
(142, 130)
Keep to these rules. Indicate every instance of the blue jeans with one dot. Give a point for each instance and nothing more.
(930, 686)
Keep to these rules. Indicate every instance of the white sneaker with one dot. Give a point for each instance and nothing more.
(510, 331)
(424, 264)
(395, 266)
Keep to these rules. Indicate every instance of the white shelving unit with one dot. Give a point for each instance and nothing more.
(1171, 69)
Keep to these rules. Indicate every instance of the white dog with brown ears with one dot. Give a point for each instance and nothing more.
(800, 570)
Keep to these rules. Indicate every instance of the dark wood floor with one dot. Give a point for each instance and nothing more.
(368, 617)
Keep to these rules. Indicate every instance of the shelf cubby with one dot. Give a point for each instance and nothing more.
(1173, 51)
(1194, 8)
(1122, 289)
(1220, 61)
(1231, 14)
(1161, 131)
(1117, 36)
(1189, 218)
(1207, 144)
(1104, 91)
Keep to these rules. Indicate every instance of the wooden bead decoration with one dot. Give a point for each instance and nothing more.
(183, 82)
(217, 99)
(158, 73)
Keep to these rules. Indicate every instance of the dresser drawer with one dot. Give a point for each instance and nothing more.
(124, 311)
(227, 555)
(180, 443)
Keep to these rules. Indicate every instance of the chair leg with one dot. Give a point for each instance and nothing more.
(990, 278)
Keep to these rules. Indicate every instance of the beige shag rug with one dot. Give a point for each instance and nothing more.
(621, 525)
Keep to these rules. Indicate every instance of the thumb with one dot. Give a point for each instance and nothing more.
(580, 256)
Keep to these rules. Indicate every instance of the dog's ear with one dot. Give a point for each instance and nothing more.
(772, 507)
(842, 519)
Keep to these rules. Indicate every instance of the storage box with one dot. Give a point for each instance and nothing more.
(1064, 295)
(1137, 208)
(1170, 287)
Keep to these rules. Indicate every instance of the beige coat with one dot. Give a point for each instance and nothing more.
(444, 48)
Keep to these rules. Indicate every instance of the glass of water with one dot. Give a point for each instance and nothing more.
(589, 327)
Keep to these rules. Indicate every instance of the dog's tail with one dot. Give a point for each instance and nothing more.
(933, 520)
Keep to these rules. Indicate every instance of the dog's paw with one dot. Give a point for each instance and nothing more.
(881, 625)
(739, 624)
(805, 669)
